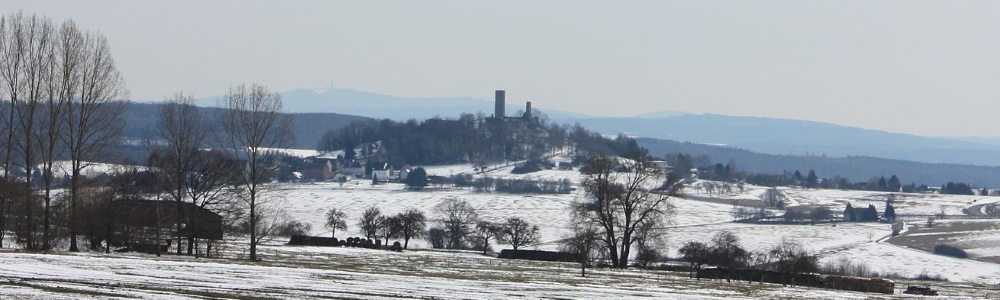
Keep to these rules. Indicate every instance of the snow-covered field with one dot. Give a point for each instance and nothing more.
(836, 200)
(693, 220)
(312, 272)
(290, 272)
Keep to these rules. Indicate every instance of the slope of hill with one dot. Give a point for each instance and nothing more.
(780, 136)
(856, 168)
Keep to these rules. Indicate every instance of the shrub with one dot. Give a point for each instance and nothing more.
(436, 236)
(462, 180)
(294, 228)
(521, 186)
(844, 266)
(532, 166)
(949, 250)
(526, 168)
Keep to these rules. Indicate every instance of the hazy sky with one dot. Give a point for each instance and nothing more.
(929, 68)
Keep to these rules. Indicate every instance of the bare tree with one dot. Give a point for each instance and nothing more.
(388, 228)
(727, 252)
(336, 219)
(621, 197)
(369, 221)
(517, 233)
(649, 239)
(95, 115)
(457, 216)
(9, 62)
(412, 225)
(485, 231)
(181, 130)
(254, 126)
(108, 210)
(774, 197)
(209, 185)
(582, 242)
(32, 40)
(697, 254)
(790, 257)
(59, 81)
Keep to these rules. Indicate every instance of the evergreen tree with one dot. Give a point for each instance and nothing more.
(882, 184)
(894, 184)
(811, 179)
(417, 179)
(890, 212)
(849, 213)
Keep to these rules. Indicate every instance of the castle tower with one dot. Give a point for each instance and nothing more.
(500, 110)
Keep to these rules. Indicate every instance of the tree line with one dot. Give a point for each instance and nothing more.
(683, 163)
(63, 101)
(725, 251)
(467, 139)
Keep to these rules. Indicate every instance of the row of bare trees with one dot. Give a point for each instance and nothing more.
(460, 222)
(373, 224)
(62, 100)
(252, 128)
(239, 179)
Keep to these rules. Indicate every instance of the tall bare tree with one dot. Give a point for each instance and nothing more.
(36, 42)
(582, 242)
(253, 127)
(12, 60)
(95, 116)
(60, 87)
(6, 135)
(181, 130)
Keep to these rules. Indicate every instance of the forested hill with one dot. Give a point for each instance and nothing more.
(309, 127)
(856, 168)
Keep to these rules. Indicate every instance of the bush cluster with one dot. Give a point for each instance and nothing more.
(949, 250)
(532, 166)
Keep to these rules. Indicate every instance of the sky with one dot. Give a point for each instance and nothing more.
(926, 68)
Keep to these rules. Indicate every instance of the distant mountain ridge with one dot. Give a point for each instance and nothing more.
(855, 168)
(782, 136)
